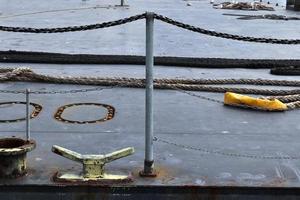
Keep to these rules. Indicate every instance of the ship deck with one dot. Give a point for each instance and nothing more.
(178, 117)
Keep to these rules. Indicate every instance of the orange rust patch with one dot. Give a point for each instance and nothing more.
(164, 174)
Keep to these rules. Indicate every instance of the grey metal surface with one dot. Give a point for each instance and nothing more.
(130, 39)
(177, 117)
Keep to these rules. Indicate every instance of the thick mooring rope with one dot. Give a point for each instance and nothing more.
(291, 97)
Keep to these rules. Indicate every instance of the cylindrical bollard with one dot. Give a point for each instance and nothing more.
(149, 160)
(122, 2)
(13, 156)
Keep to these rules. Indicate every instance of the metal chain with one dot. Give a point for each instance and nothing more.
(74, 28)
(237, 155)
(72, 91)
(59, 91)
(224, 35)
(291, 106)
(198, 96)
(142, 16)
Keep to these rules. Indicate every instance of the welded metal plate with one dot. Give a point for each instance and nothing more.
(108, 116)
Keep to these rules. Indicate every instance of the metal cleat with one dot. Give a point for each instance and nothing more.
(93, 166)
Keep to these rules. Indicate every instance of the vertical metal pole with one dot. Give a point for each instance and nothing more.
(27, 114)
(149, 160)
(122, 2)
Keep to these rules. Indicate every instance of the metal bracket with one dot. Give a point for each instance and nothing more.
(93, 165)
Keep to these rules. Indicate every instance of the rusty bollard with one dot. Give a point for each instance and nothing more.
(13, 156)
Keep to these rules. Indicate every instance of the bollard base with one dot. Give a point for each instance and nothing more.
(126, 6)
(152, 174)
(79, 178)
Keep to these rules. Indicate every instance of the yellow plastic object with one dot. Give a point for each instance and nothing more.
(264, 104)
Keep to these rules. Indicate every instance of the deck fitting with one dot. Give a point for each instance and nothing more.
(93, 166)
(148, 170)
(13, 156)
(109, 115)
(36, 111)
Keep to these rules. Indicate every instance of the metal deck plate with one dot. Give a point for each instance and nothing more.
(179, 118)
(130, 39)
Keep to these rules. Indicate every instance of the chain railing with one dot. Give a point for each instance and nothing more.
(57, 91)
(158, 17)
(74, 28)
(225, 35)
(149, 160)
(222, 153)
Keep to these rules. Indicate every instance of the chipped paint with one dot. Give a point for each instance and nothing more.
(93, 165)
(13, 156)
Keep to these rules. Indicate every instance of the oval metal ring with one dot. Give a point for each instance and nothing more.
(109, 115)
(36, 111)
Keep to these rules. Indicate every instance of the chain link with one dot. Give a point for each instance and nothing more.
(74, 28)
(156, 16)
(59, 91)
(222, 102)
(13, 91)
(224, 35)
(198, 96)
(73, 91)
(236, 155)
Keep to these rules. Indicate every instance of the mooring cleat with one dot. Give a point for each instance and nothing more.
(93, 166)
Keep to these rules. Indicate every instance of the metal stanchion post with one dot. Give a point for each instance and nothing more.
(27, 114)
(122, 4)
(149, 160)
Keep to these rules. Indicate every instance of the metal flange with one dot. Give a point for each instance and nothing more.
(36, 111)
(109, 115)
(93, 166)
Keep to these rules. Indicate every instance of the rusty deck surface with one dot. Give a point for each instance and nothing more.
(179, 118)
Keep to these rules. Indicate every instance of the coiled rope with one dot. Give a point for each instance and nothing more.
(290, 96)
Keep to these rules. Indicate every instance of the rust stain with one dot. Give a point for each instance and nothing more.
(276, 182)
(109, 115)
(36, 111)
(108, 183)
(164, 174)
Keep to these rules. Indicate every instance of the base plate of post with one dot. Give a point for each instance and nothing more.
(153, 174)
(126, 6)
(79, 178)
(148, 170)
